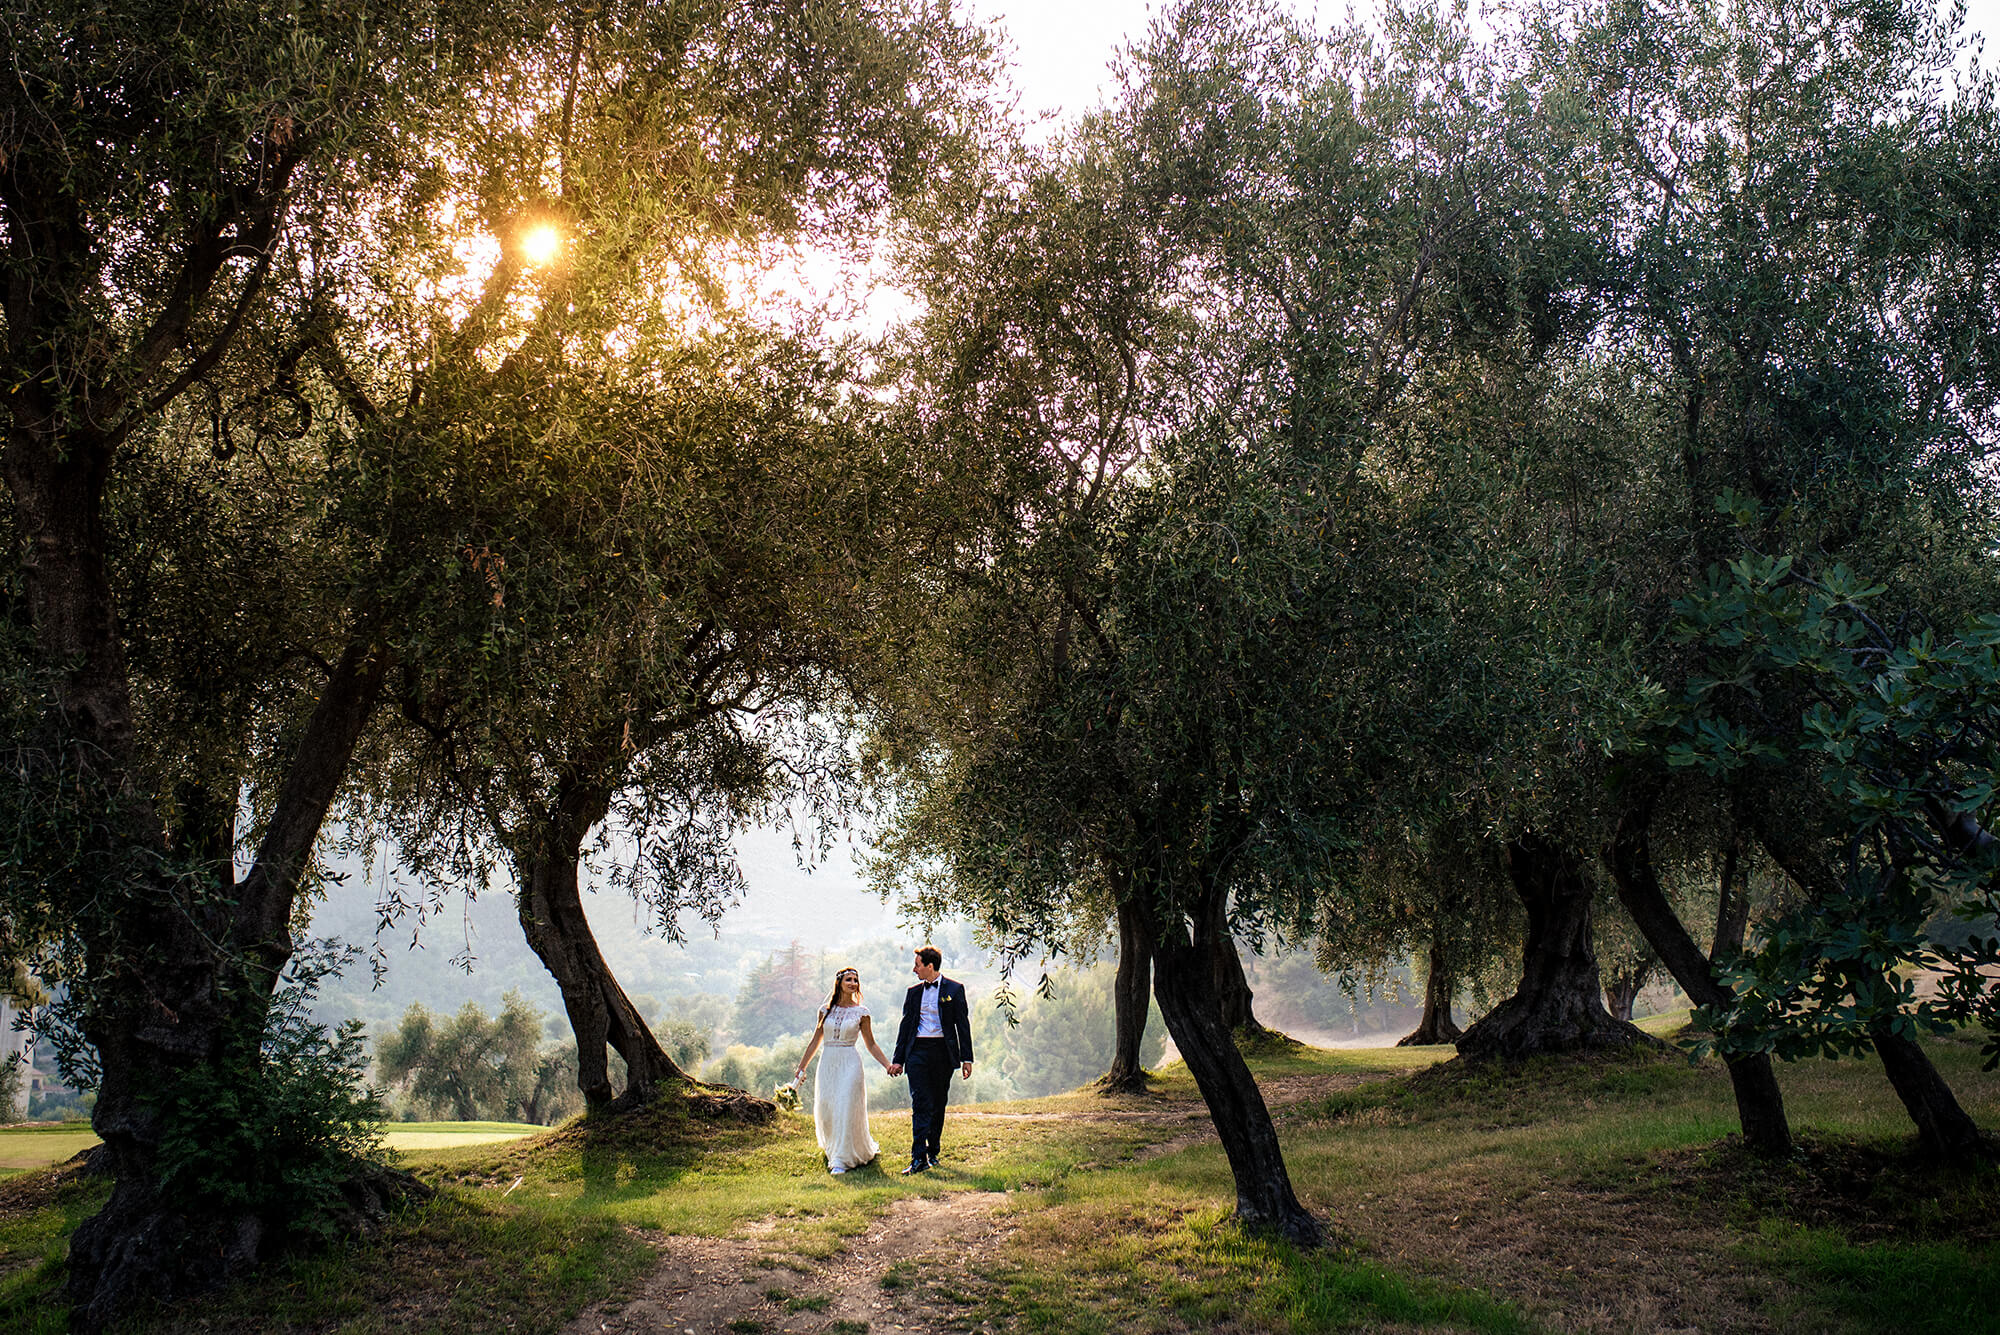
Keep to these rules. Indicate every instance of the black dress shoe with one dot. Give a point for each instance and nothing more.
(915, 1168)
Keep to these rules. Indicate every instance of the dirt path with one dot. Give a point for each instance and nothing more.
(708, 1285)
(738, 1286)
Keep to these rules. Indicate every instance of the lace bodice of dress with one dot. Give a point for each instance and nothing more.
(843, 1025)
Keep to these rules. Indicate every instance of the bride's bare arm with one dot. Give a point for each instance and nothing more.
(819, 1032)
(868, 1037)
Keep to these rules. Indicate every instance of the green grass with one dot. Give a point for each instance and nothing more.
(445, 1135)
(1428, 1180)
(37, 1215)
(25, 1148)
(1116, 1253)
(1915, 1288)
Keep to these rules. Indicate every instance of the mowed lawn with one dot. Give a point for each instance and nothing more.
(23, 1148)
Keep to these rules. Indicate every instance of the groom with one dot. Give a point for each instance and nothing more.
(936, 1035)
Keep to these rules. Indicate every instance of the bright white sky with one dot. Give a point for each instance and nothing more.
(1062, 47)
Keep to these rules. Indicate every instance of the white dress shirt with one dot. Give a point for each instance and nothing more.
(928, 1024)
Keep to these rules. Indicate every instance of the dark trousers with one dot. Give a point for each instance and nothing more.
(929, 1073)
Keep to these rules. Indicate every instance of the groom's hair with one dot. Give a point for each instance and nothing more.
(931, 955)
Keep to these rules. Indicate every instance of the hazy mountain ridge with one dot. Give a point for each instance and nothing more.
(472, 949)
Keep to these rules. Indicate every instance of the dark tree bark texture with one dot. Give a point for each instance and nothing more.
(178, 968)
(1131, 995)
(552, 918)
(1437, 1025)
(1559, 1006)
(1760, 1105)
(1232, 984)
(198, 974)
(1184, 983)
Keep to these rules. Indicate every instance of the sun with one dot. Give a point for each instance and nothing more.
(541, 244)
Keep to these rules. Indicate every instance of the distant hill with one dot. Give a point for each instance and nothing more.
(473, 949)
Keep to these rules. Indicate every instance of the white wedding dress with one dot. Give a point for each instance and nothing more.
(840, 1100)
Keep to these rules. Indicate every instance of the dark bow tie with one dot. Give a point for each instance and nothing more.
(932, 983)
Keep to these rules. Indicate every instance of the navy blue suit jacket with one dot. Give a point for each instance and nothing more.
(954, 1017)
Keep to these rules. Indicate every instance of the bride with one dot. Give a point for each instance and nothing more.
(840, 1103)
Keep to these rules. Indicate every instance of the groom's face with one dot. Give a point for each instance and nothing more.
(923, 971)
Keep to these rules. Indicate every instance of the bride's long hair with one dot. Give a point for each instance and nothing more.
(834, 1000)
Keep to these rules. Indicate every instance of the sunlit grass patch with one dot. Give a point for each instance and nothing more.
(1123, 1252)
(447, 1135)
(30, 1147)
(25, 1148)
(1500, 1094)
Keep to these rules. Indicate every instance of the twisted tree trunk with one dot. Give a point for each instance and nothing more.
(550, 908)
(182, 979)
(1184, 983)
(176, 973)
(1436, 1026)
(1760, 1105)
(1131, 996)
(1559, 1006)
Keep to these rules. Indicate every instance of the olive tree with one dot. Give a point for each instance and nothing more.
(163, 163)
(1788, 278)
(1208, 345)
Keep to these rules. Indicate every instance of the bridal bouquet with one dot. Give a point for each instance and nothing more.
(786, 1096)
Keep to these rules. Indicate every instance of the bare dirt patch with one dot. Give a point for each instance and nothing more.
(705, 1285)
(701, 1284)
(1579, 1260)
(959, 1230)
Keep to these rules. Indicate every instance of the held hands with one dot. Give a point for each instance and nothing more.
(894, 1069)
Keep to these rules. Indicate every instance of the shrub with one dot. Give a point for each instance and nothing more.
(280, 1126)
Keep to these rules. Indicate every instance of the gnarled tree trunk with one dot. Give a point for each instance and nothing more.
(1760, 1105)
(198, 969)
(1131, 997)
(176, 975)
(1559, 1006)
(551, 912)
(1184, 983)
(1436, 1025)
